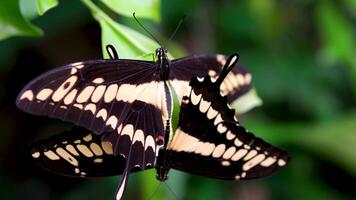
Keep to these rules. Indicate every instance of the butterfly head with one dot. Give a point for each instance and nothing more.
(161, 53)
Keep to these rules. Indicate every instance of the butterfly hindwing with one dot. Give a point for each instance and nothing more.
(78, 153)
(210, 141)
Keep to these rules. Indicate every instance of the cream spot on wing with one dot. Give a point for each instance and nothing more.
(79, 65)
(98, 93)
(211, 113)
(110, 93)
(36, 154)
(73, 70)
(208, 149)
(64, 88)
(250, 154)
(91, 107)
(182, 141)
(125, 92)
(237, 177)
(238, 142)
(204, 105)
(79, 106)
(221, 59)
(85, 150)
(221, 128)
(239, 154)
(149, 142)
(44, 94)
(139, 136)
(253, 162)
(102, 113)
(51, 155)
(225, 163)
(224, 89)
(63, 107)
(195, 98)
(219, 150)
(232, 80)
(248, 79)
(76, 170)
(70, 97)
(230, 135)
(281, 162)
(66, 156)
(112, 121)
(88, 137)
(72, 150)
(98, 80)
(98, 160)
(268, 162)
(229, 152)
(128, 130)
(212, 73)
(243, 175)
(200, 79)
(240, 79)
(28, 94)
(96, 149)
(218, 119)
(107, 147)
(85, 94)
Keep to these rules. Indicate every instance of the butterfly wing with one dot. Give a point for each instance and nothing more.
(236, 84)
(122, 99)
(101, 95)
(78, 153)
(210, 141)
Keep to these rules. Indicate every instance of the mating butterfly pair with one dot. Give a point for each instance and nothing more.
(129, 104)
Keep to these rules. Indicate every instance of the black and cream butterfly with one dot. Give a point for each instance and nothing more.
(128, 102)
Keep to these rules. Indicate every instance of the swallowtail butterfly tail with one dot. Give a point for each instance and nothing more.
(209, 141)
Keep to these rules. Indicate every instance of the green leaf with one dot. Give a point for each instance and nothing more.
(128, 42)
(13, 23)
(333, 140)
(336, 32)
(247, 102)
(147, 8)
(45, 5)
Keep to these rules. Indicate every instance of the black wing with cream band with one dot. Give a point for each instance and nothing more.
(124, 100)
(236, 84)
(210, 141)
(103, 96)
(78, 153)
(128, 101)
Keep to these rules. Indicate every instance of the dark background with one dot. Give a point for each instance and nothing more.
(302, 56)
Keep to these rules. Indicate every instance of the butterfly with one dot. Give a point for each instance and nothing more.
(208, 141)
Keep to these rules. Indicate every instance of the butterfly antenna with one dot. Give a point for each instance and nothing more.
(148, 32)
(178, 26)
(230, 63)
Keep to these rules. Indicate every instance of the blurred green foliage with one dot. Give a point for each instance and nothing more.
(302, 57)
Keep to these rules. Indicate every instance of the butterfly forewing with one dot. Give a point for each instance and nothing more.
(105, 96)
(211, 142)
(236, 84)
(79, 153)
